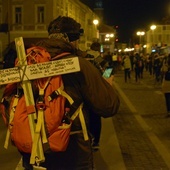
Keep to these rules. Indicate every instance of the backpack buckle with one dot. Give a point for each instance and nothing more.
(41, 106)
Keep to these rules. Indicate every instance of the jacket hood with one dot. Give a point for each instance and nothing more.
(56, 46)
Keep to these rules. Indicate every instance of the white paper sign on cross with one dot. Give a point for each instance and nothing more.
(40, 70)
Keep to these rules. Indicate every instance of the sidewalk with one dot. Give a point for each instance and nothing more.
(109, 156)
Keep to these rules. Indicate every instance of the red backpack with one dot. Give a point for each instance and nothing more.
(53, 122)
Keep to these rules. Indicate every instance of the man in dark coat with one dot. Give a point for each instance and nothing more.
(87, 86)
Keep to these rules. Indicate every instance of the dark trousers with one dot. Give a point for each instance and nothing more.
(167, 100)
(127, 73)
(157, 71)
(137, 74)
(95, 126)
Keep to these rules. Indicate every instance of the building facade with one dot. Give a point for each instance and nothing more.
(158, 39)
(30, 19)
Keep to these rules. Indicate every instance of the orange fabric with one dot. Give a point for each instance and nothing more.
(9, 89)
(3, 112)
(53, 113)
(31, 109)
(59, 140)
(20, 131)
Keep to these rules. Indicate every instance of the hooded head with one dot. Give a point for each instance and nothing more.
(66, 26)
(95, 46)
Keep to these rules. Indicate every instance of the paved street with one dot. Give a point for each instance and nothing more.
(137, 138)
(141, 128)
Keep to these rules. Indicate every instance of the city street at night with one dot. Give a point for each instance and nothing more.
(137, 138)
(140, 134)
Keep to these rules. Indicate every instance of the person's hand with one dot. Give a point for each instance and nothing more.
(110, 80)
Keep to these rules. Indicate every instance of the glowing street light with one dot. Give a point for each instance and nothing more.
(140, 33)
(95, 22)
(108, 36)
(153, 27)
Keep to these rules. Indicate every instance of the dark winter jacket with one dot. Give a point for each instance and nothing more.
(97, 95)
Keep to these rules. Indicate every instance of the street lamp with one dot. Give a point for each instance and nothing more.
(153, 27)
(96, 22)
(109, 36)
(140, 33)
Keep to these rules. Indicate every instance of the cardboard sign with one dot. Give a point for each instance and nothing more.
(9, 75)
(40, 70)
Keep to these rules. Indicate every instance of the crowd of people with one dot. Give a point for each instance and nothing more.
(155, 64)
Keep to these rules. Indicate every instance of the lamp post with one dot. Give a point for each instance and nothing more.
(109, 36)
(109, 40)
(140, 34)
(96, 22)
(153, 27)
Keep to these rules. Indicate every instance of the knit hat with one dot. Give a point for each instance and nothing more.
(95, 46)
(65, 25)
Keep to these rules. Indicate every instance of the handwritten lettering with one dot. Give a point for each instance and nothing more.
(40, 70)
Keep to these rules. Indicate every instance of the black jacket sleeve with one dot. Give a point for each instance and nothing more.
(96, 92)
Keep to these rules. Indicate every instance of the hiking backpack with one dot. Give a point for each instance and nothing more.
(53, 107)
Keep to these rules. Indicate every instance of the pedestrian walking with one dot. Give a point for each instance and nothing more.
(126, 63)
(95, 119)
(157, 65)
(141, 65)
(150, 64)
(115, 62)
(94, 56)
(82, 86)
(137, 66)
(166, 88)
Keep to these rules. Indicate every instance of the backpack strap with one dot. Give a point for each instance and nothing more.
(79, 111)
(60, 91)
(82, 120)
(40, 126)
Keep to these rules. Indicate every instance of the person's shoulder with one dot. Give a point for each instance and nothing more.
(93, 53)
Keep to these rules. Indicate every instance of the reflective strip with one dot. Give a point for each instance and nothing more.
(63, 93)
(83, 125)
(82, 120)
(65, 126)
(39, 132)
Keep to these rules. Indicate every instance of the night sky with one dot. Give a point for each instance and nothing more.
(133, 15)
